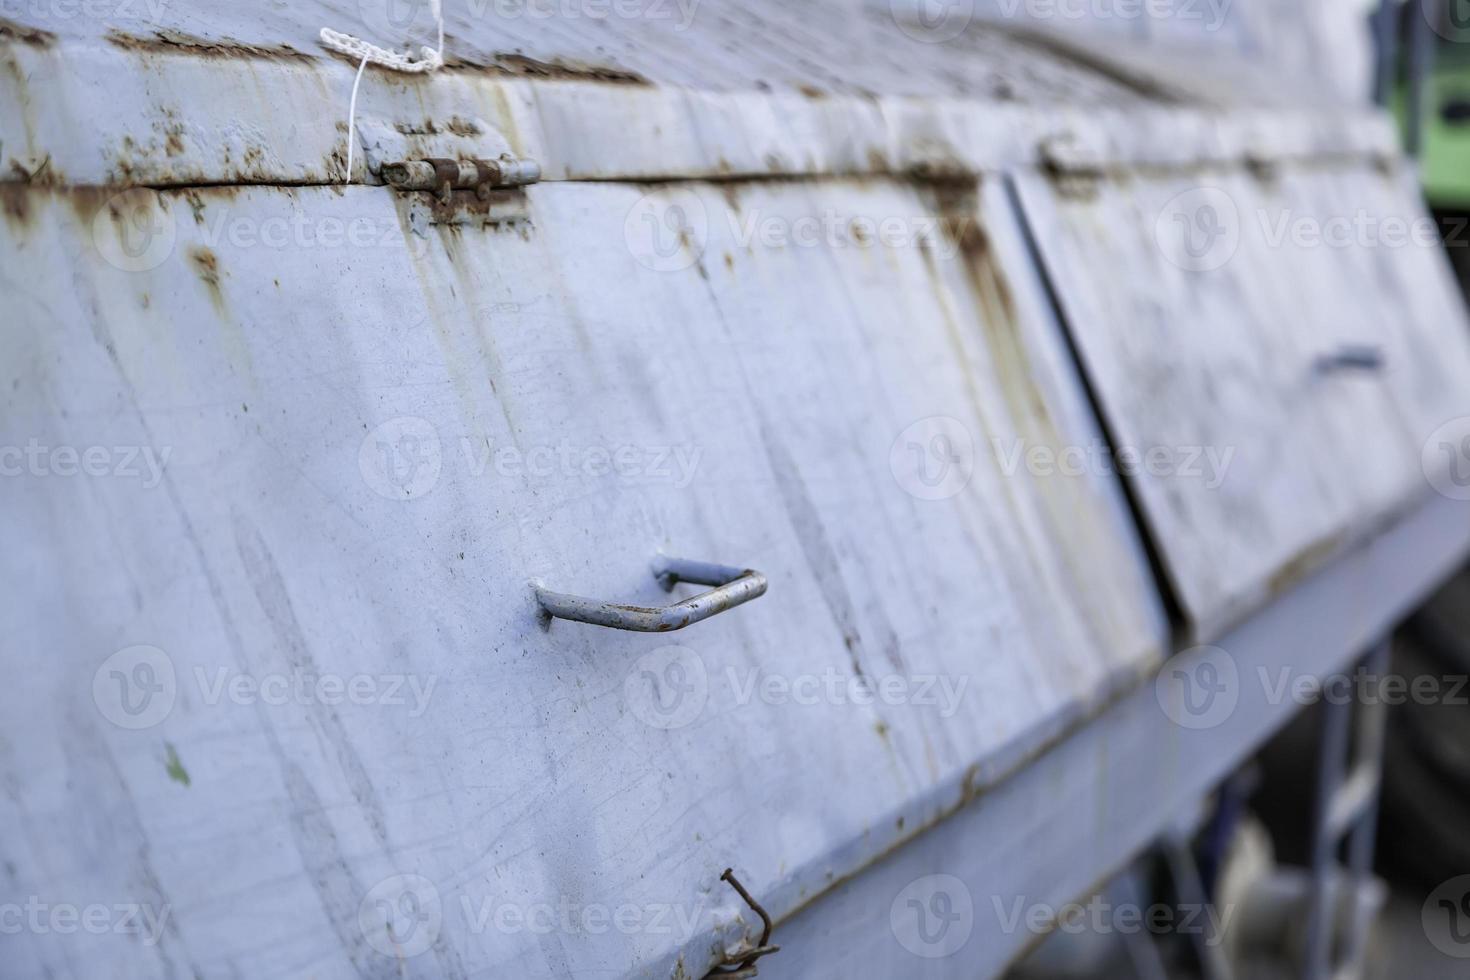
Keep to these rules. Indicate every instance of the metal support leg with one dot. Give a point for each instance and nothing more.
(1346, 808)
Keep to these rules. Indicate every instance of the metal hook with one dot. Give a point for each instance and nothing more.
(741, 964)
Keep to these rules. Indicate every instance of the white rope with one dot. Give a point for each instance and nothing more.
(430, 59)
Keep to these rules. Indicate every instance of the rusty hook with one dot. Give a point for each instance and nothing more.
(742, 964)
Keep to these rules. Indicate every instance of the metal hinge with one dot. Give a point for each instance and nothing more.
(443, 176)
(1076, 167)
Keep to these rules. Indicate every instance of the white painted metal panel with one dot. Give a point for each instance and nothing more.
(365, 414)
(218, 92)
(1202, 304)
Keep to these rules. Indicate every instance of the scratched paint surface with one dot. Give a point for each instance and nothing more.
(333, 504)
(1213, 342)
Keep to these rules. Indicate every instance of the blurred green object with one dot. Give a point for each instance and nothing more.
(1446, 156)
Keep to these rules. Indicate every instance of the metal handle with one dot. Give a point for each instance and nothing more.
(733, 587)
(1352, 357)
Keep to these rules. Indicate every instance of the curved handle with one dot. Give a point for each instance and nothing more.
(733, 587)
(1352, 357)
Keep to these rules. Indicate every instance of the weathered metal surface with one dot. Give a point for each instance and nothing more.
(1204, 304)
(733, 587)
(214, 92)
(1004, 870)
(356, 427)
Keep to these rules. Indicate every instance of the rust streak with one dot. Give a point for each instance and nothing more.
(177, 42)
(25, 34)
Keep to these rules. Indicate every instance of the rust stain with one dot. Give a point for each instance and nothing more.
(1304, 563)
(15, 201)
(25, 34)
(1066, 500)
(206, 264)
(165, 41)
(498, 210)
(558, 69)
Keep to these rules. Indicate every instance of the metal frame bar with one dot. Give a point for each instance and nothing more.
(1346, 808)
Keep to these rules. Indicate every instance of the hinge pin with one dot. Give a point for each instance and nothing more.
(443, 177)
